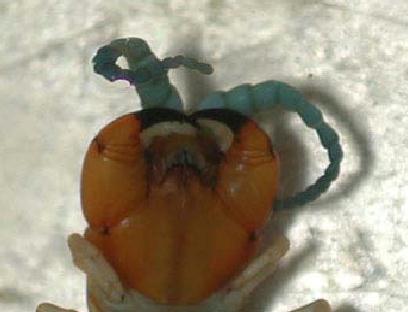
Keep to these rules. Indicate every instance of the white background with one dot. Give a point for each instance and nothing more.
(348, 57)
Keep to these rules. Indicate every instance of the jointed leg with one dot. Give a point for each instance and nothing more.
(259, 269)
(102, 279)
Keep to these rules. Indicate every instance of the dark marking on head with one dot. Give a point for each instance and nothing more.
(204, 147)
(99, 145)
(105, 230)
(150, 117)
(253, 236)
(271, 149)
(234, 120)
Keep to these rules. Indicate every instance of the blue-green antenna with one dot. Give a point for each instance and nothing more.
(146, 72)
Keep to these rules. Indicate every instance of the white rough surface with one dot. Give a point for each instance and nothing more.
(349, 57)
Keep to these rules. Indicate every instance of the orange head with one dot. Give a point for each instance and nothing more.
(175, 202)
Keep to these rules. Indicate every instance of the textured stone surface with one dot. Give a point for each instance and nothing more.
(349, 57)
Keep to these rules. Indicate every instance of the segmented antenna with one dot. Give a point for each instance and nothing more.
(143, 64)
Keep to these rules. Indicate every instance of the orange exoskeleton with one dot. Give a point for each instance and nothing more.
(176, 202)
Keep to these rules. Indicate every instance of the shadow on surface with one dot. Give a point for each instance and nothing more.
(192, 85)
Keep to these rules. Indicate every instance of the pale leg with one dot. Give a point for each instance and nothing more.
(102, 279)
(258, 270)
(100, 275)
